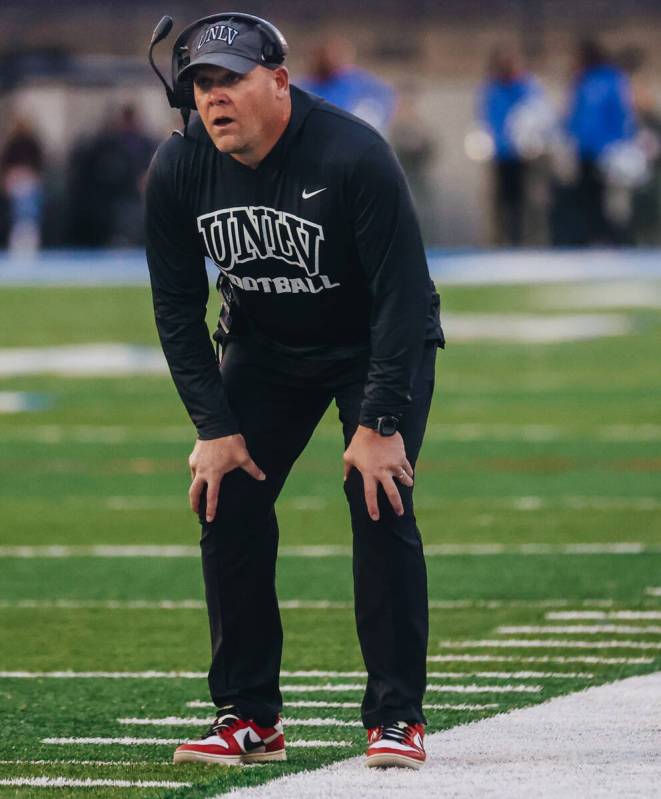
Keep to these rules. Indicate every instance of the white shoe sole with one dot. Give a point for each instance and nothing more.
(400, 761)
(205, 757)
(264, 757)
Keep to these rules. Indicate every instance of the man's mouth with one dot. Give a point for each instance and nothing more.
(222, 122)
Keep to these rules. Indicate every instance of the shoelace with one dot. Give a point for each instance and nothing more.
(396, 732)
(223, 721)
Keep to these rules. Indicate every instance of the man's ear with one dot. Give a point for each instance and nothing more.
(281, 77)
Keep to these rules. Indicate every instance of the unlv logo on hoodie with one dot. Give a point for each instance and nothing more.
(245, 233)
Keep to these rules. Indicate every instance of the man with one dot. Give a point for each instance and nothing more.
(506, 91)
(307, 215)
(601, 116)
(332, 74)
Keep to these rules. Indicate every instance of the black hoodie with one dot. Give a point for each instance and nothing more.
(320, 242)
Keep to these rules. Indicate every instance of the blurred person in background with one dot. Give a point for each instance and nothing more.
(601, 116)
(107, 179)
(416, 147)
(333, 76)
(646, 201)
(507, 89)
(21, 167)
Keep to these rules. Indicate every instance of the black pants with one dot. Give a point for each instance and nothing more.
(510, 199)
(597, 228)
(278, 401)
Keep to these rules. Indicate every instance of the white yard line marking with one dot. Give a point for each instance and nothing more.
(104, 604)
(450, 604)
(102, 360)
(195, 604)
(587, 659)
(631, 615)
(101, 551)
(178, 721)
(523, 643)
(534, 328)
(162, 604)
(604, 741)
(328, 550)
(653, 590)
(501, 675)
(128, 741)
(112, 675)
(297, 688)
(19, 401)
(585, 629)
(517, 675)
(100, 434)
(76, 762)
(285, 604)
(449, 431)
(318, 744)
(117, 434)
(619, 294)
(69, 782)
(440, 688)
(582, 503)
(320, 703)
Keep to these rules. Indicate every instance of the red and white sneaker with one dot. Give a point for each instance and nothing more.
(232, 740)
(397, 744)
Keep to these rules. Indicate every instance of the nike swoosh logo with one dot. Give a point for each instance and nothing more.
(306, 195)
(249, 745)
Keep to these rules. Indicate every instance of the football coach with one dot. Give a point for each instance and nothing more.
(306, 213)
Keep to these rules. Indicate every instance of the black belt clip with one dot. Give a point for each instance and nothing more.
(228, 296)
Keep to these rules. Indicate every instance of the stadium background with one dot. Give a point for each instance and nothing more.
(538, 486)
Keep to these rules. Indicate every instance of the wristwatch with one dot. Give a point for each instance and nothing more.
(386, 425)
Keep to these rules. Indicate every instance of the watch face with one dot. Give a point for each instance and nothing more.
(387, 425)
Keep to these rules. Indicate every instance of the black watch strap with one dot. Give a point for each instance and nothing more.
(387, 425)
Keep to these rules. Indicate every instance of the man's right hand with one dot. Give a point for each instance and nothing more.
(210, 461)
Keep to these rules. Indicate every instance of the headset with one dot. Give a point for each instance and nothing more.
(180, 94)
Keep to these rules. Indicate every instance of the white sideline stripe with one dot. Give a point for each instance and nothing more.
(586, 629)
(587, 659)
(632, 615)
(177, 721)
(69, 782)
(603, 742)
(128, 741)
(653, 590)
(321, 703)
(523, 643)
(327, 551)
(441, 688)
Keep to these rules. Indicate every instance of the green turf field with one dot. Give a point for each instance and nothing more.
(538, 494)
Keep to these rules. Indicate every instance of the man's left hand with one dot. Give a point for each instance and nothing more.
(380, 459)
